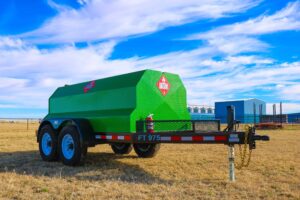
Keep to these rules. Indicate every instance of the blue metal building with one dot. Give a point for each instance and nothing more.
(246, 111)
(294, 118)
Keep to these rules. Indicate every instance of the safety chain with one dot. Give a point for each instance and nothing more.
(243, 150)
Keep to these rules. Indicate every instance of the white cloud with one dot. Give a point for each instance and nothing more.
(237, 44)
(240, 37)
(98, 19)
(290, 92)
(29, 75)
(8, 43)
(206, 79)
(11, 83)
(82, 2)
(286, 19)
(7, 106)
(286, 108)
(57, 7)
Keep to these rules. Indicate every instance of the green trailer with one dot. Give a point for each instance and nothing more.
(139, 111)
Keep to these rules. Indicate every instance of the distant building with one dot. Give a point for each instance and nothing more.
(294, 118)
(246, 111)
(201, 112)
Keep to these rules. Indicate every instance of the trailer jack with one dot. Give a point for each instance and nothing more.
(245, 149)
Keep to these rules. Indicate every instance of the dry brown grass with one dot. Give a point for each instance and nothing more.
(177, 172)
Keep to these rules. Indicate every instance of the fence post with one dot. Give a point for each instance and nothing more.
(254, 113)
(281, 120)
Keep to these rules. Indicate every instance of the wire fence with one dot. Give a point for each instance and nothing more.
(19, 124)
(285, 119)
(251, 119)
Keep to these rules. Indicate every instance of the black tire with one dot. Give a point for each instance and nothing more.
(121, 148)
(48, 139)
(79, 151)
(146, 150)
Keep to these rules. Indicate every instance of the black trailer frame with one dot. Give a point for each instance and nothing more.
(190, 134)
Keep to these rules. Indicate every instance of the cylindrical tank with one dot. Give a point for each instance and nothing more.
(116, 103)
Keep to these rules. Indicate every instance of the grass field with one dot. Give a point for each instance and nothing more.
(177, 172)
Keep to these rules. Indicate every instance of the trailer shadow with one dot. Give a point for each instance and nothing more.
(99, 166)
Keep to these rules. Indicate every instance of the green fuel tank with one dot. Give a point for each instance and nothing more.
(116, 103)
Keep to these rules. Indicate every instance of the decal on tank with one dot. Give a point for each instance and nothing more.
(89, 86)
(163, 85)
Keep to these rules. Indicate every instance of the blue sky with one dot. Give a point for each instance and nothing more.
(223, 49)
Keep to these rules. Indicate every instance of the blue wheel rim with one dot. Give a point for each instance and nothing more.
(67, 146)
(47, 144)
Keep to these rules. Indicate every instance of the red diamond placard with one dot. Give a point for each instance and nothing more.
(163, 85)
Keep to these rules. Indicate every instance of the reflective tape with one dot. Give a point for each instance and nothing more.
(113, 137)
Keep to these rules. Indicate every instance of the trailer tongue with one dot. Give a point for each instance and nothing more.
(130, 111)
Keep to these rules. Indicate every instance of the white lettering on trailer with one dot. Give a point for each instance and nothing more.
(165, 138)
(209, 138)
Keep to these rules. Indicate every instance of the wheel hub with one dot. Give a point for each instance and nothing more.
(46, 144)
(67, 146)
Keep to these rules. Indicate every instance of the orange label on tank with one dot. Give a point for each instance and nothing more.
(163, 85)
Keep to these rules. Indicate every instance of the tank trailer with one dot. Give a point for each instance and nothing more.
(137, 111)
